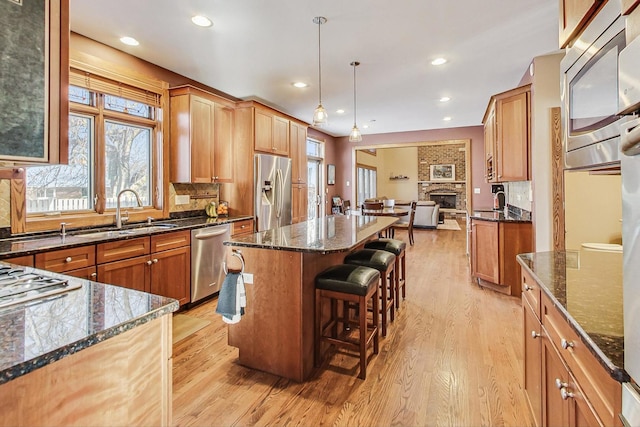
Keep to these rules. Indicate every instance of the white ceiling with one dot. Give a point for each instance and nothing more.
(257, 48)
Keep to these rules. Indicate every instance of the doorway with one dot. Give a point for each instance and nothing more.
(314, 182)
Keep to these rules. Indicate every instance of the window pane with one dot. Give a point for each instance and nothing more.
(62, 188)
(115, 103)
(314, 148)
(80, 95)
(127, 163)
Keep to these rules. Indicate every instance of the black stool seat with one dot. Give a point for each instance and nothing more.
(380, 260)
(348, 278)
(394, 246)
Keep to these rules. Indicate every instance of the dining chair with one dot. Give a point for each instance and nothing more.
(407, 225)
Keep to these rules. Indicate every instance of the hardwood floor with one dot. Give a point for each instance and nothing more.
(453, 356)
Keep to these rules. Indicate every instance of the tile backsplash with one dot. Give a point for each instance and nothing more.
(518, 194)
(200, 195)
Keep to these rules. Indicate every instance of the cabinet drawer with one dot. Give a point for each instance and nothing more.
(531, 293)
(64, 260)
(26, 260)
(242, 227)
(122, 249)
(599, 387)
(163, 242)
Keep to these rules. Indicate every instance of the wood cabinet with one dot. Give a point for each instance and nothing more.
(494, 246)
(64, 260)
(160, 264)
(574, 15)
(26, 260)
(271, 132)
(246, 226)
(299, 202)
(507, 131)
(201, 136)
(298, 149)
(564, 383)
(34, 125)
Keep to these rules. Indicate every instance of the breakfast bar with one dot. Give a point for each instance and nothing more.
(276, 333)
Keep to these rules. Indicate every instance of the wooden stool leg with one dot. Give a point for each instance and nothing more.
(318, 336)
(376, 319)
(404, 275)
(391, 290)
(383, 303)
(362, 302)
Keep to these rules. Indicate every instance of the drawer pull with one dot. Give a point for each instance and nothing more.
(566, 344)
(93, 275)
(155, 260)
(535, 335)
(560, 385)
(68, 259)
(565, 394)
(149, 262)
(527, 287)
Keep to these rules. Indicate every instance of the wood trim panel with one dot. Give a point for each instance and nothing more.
(64, 260)
(515, 238)
(122, 249)
(163, 242)
(557, 183)
(125, 380)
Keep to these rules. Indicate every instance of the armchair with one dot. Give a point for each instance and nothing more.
(427, 213)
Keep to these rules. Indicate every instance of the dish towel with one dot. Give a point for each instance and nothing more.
(232, 298)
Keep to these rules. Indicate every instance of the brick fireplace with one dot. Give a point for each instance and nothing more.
(450, 195)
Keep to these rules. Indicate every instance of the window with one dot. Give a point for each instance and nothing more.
(113, 132)
(366, 185)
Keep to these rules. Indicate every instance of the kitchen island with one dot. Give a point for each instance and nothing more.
(94, 355)
(276, 333)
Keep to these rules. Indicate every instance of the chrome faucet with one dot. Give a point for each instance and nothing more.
(119, 218)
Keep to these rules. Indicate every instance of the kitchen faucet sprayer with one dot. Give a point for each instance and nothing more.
(119, 218)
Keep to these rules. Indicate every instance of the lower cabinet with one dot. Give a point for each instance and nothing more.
(160, 264)
(494, 246)
(564, 385)
(26, 261)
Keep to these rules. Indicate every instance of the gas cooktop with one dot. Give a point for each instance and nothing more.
(18, 286)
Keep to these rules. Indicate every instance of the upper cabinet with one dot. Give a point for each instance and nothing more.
(201, 136)
(507, 124)
(298, 149)
(271, 132)
(574, 15)
(34, 109)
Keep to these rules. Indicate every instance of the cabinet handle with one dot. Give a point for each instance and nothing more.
(535, 335)
(149, 262)
(155, 260)
(68, 259)
(527, 287)
(565, 394)
(93, 275)
(560, 385)
(566, 344)
(243, 226)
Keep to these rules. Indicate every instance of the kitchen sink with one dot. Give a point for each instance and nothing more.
(107, 234)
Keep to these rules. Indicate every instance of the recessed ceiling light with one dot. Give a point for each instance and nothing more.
(299, 84)
(365, 126)
(201, 21)
(438, 61)
(445, 99)
(129, 41)
(446, 119)
(340, 111)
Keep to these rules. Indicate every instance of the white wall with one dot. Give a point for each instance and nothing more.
(545, 95)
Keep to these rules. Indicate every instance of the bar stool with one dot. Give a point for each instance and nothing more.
(396, 247)
(384, 262)
(351, 284)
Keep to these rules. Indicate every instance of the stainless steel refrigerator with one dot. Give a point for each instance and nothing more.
(273, 191)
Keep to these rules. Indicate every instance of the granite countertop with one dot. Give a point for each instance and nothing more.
(336, 233)
(512, 214)
(586, 287)
(28, 245)
(39, 332)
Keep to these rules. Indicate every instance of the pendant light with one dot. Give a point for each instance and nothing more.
(355, 135)
(320, 114)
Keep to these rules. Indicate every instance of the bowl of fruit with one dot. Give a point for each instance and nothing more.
(223, 208)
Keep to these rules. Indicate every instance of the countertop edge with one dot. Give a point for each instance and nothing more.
(616, 372)
(42, 360)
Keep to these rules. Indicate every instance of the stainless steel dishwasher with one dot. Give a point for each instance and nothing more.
(207, 257)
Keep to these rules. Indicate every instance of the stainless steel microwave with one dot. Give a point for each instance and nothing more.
(589, 74)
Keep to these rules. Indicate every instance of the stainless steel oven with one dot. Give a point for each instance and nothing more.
(590, 120)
